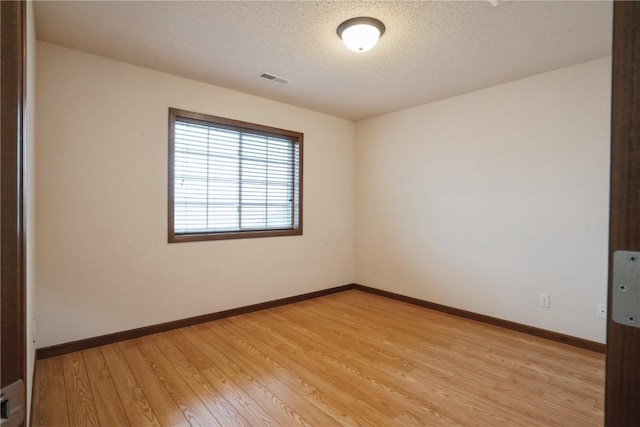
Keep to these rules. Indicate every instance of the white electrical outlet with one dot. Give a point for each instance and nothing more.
(545, 301)
(316, 271)
(601, 311)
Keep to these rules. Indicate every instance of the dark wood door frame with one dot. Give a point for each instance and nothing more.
(622, 391)
(12, 246)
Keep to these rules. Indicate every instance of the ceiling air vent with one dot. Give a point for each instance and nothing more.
(274, 78)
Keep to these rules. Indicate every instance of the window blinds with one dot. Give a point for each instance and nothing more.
(229, 179)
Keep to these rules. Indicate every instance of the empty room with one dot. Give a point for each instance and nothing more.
(325, 213)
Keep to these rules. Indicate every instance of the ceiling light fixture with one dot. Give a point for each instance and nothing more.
(360, 34)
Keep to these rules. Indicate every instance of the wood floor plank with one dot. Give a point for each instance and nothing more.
(35, 393)
(487, 358)
(395, 383)
(490, 412)
(400, 392)
(224, 411)
(81, 409)
(253, 385)
(347, 389)
(51, 399)
(284, 383)
(393, 392)
(251, 410)
(349, 358)
(182, 394)
(131, 395)
(332, 400)
(163, 404)
(108, 405)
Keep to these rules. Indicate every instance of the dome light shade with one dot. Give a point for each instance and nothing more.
(360, 34)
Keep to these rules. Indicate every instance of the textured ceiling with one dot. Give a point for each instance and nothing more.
(430, 50)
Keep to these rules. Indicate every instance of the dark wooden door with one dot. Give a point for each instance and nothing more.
(12, 302)
(622, 395)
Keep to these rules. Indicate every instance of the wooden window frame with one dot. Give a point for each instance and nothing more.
(198, 118)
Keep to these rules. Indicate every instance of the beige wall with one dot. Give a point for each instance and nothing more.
(486, 200)
(31, 198)
(104, 264)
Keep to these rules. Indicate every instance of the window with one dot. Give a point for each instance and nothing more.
(230, 179)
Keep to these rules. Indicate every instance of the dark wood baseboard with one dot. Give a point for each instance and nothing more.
(531, 330)
(70, 347)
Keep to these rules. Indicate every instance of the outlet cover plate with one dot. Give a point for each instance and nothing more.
(545, 301)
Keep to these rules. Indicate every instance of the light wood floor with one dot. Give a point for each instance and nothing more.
(345, 359)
